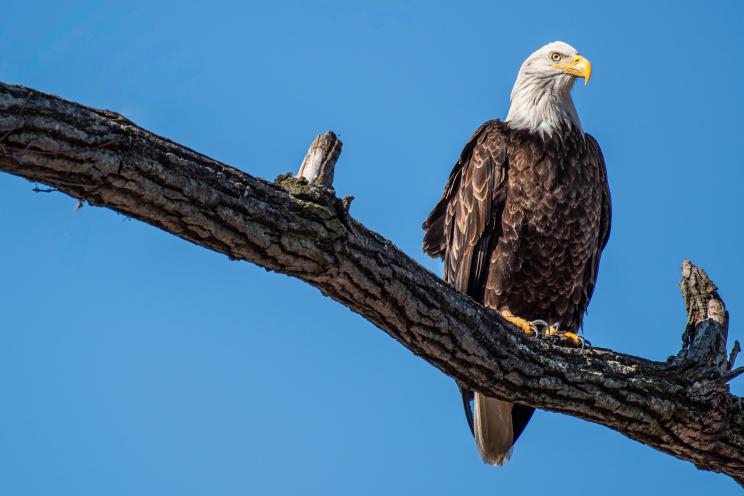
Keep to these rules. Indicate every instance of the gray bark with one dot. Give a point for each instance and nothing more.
(682, 406)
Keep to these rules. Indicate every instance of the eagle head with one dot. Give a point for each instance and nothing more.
(541, 98)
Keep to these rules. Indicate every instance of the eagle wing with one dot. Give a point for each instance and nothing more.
(463, 229)
(465, 225)
(605, 220)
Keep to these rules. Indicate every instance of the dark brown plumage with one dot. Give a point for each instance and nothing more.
(521, 226)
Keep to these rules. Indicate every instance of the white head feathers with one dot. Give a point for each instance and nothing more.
(541, 99)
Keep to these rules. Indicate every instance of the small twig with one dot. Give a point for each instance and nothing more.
(37, 189)
(733, 374)
(734, 353)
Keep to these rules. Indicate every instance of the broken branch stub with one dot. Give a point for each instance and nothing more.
(706, 332)
(319, 163)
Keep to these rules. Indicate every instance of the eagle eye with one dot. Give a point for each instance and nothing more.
(555, 56)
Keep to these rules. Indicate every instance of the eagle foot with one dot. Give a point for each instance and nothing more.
(531, 328)
(542, 328)
(575, 339)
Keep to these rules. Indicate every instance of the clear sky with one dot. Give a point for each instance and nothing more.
(132, 362)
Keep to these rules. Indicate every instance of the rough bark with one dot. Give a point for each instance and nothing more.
(682, 407)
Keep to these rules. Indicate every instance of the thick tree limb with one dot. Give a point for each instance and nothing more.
(682, 407)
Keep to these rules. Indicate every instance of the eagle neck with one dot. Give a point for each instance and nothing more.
(542, 104)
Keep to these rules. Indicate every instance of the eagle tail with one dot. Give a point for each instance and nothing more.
(496, 425)
(493, 429)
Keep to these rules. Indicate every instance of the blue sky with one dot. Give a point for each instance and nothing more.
(132, 362)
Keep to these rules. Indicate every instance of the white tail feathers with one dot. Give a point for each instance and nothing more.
(493, 430)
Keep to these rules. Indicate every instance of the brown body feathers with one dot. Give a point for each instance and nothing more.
(521, 226)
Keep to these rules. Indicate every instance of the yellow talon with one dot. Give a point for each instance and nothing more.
(541, 327)
(523, 324)
(552, 330)
(575, 339)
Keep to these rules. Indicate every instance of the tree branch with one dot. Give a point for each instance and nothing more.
(682, 407)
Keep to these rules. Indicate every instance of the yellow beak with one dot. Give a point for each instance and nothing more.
(579, 67)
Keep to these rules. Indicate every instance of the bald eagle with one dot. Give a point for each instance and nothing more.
(522, 223)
